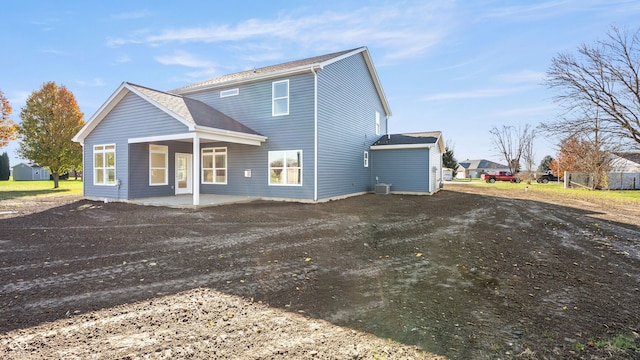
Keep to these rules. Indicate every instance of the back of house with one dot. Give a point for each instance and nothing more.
(299, 131)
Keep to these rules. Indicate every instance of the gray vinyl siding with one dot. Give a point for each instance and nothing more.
(132, 117)
(405, 169)
(347, 103)
(139, 169)
(252, 107)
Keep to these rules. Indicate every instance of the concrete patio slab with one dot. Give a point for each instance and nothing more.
(186, 201)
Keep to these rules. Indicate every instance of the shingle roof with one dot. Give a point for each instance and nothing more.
(631, 156)
(247, 75)
(481, 164)
(193, 111)
(411, 138)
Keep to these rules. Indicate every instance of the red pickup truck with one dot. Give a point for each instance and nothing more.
(500, 176)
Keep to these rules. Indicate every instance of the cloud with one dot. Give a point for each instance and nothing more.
(183, 58)
(53, 51)
(554, 8)
(526, 111)
(525, 76)
(97, 82)
(123, 59)
(529, 12)
(474, 94)
(399, 31)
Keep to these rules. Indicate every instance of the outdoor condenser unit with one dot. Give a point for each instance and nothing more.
(383, 189)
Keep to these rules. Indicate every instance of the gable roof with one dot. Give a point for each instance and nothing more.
(29, 164)
(630, 156)
(192, 113)
(288, 68)
(481, 164)
(410, 140)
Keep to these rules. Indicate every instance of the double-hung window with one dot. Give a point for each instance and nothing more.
(280, 97)
(285, 167)
(158, 165)
(104, 164)
(377, 123)
(366, 159)
(214, 165)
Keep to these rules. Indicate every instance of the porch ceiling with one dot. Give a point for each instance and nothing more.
(206, 135)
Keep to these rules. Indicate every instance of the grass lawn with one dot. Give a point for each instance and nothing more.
(15, 189)
(557, 189)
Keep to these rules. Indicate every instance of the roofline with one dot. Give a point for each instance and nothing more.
(401, 146)
(299, 70)
(113, 100)
(106, 107)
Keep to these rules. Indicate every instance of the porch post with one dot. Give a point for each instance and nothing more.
(196, 169)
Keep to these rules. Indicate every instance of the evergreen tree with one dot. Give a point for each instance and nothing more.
(449, 161)
(4, 166)
(544, 164)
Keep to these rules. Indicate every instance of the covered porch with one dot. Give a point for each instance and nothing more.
(188, 172)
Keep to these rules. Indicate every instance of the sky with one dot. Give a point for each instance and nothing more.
(460, 67)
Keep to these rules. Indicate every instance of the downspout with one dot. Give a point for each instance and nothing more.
(386, 123)
(315, 134)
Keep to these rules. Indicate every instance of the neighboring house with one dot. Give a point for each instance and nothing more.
(301, 131)
(475, 168)
(29, 171)
(626, 162)
(625, 171)
(410, 163)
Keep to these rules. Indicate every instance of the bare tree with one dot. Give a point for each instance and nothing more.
(603, 79)
(512, 143)
(528, 156)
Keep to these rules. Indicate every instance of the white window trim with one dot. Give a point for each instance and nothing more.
(284, 168)
(103, 167)
(377, 123)
(229, 92)
(214, 168)
(274, 98)
(366, 159)
(159, 149)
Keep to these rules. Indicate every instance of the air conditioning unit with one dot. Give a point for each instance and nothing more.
(383, 189)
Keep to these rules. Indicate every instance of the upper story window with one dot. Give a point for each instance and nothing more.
(229, 92)
(104, 164)
(285, 167)
(158, 165)
(280, 96)
(214, 165)
(377, 123)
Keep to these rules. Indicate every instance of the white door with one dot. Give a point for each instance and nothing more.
(183, 174)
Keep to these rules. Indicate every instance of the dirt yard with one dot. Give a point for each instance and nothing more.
(470, 273)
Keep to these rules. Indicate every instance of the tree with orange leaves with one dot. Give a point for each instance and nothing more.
(579, 154)
(50, 119)
(8, 128)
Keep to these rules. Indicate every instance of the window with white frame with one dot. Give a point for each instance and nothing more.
(229, 92)
(285, 167)
(214, 165)
(366, 159)
(104, 164)
(158, 165)
(377, 123)
(280, 95)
